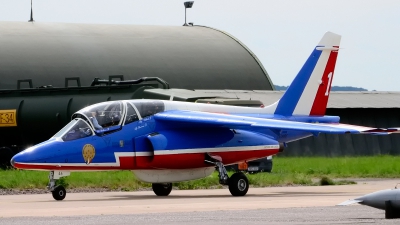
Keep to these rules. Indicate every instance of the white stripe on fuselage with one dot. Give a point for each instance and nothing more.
(111, 164)
(161, 152)
(223, 149)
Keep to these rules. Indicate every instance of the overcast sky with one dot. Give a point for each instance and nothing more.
(282, 33)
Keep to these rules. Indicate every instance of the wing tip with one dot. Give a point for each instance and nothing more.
(349, 202)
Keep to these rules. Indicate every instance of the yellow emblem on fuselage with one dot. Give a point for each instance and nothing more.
(88, 153)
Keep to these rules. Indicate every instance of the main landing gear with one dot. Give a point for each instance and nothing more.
(163, 189)
(238, 183)
(59, 191)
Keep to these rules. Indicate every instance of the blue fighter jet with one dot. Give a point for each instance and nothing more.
(165, 141)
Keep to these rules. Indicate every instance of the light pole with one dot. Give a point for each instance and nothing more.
(31, 20)
(187, 5)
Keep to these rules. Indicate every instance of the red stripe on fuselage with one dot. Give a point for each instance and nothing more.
(321, 99)
(196, 160)
(168, 161)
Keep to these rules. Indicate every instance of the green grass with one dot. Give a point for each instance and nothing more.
(383, 166)
(286, 171)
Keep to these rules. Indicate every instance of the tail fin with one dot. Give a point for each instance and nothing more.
(308, 93)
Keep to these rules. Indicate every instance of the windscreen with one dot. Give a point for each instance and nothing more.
(104, 115)
(64, 129)
(78, 130)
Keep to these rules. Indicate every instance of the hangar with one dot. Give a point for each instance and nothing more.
(190, 57)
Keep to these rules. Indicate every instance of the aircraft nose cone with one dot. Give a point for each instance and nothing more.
(18, 158)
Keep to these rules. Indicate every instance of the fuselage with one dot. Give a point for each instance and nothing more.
(124, 135)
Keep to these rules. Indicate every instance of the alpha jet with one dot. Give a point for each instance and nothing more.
(388, 200)
(165, 141)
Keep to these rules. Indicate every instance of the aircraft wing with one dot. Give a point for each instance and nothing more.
(195, 119)
(349, 202)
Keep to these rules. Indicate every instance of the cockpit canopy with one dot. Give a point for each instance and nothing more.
(107, 117)
(116, 113)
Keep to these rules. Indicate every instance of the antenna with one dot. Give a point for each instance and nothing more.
(31, 20)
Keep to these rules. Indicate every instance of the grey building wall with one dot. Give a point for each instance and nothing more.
(353, 144)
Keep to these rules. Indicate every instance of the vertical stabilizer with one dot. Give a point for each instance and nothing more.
(309, 92)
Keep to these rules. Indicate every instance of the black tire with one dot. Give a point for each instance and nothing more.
(163, 189)
(238, 184)
(59, 193)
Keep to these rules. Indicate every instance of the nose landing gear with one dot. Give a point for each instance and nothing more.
(59, 191)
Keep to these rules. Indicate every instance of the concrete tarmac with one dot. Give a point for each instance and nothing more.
(280, 205)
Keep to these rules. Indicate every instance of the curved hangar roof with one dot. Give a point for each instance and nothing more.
(192, 57)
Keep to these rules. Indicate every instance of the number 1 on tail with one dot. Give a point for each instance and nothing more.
(329, 84)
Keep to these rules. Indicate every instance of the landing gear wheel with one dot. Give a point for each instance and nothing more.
(59, 193)
(238, 184)
(162, 189)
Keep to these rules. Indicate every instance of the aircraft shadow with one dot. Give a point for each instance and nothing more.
(128, 197)
(150, 197)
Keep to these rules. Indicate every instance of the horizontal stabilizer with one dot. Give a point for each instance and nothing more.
(395, 129)
(364, 130)
(349, 202)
